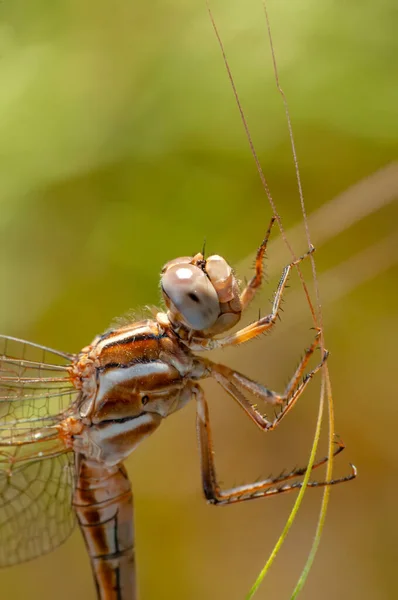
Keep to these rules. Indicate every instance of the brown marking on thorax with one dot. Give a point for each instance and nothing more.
(134, 369)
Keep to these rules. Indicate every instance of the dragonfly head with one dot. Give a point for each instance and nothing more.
(201, 294)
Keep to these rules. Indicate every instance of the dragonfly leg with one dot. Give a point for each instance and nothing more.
(254, 329)
(237, 384)
(251, 288)
(267, 487)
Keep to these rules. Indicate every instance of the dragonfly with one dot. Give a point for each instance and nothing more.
(69, 421)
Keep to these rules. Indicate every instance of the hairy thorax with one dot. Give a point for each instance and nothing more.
(130, 379)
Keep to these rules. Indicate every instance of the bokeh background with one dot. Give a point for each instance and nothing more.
(121, 147)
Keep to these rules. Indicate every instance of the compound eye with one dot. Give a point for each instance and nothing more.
(221, 276)
(192, 294)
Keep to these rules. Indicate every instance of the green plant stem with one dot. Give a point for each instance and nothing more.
(297, 504)
(325, 499)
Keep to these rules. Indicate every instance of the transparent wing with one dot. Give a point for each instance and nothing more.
(36, 513)
(36, 469)
(35, 387)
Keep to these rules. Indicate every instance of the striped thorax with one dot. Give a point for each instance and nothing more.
(130, 378)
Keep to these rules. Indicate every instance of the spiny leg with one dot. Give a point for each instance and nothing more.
(254, 329)
(300, 471)
(251, 288)
(294, 389)
(236, 384)
(259, 489)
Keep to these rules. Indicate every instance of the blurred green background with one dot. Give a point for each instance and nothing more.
(121, 147)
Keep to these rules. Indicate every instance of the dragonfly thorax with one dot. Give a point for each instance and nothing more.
(130, 380)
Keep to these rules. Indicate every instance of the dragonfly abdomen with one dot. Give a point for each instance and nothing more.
(103, 503)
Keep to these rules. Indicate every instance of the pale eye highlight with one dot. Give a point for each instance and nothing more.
(176, 261)
(192, 294)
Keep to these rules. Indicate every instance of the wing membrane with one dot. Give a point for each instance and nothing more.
(36, 513)
(36, 470)
(35, 388)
